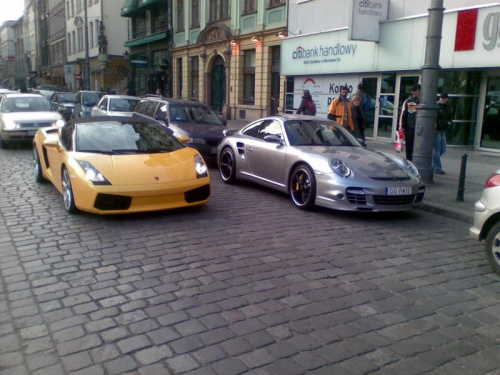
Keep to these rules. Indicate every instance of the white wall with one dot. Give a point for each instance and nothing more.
(313, 16)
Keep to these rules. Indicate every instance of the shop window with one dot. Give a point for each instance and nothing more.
(195, 13)
(249, 77)
(180, 15)
(290, 87)
(249, 6)
(219, 9)
(195, 78)
(275, 79)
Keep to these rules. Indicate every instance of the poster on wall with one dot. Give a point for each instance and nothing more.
(324, 89)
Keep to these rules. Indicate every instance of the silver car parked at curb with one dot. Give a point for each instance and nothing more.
(487, 220)
(320, 163)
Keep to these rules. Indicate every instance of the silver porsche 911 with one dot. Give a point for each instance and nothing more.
(318, 162)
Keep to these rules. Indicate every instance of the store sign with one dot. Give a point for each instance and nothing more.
(491, 30)
(324, 89)
(365, 17)
(139, 61)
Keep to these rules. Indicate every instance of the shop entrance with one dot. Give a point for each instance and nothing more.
(369, 104)
(490, 131)
(218, 85)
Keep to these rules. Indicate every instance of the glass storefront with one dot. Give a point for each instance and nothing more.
(490, 131)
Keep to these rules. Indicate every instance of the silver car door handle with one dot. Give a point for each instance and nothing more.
(249, 148)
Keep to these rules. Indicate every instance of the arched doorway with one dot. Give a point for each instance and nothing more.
(218, 89)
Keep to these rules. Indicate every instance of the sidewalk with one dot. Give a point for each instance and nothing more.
(441, 196)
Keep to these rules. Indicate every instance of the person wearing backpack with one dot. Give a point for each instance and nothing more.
(307, 106)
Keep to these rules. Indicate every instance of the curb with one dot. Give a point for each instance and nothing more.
(449, 212)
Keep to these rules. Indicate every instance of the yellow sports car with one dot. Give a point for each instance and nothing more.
(114, 165)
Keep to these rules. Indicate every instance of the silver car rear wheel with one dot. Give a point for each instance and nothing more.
(67, 192)
(303, 187)
(493, 247)
(227, 166)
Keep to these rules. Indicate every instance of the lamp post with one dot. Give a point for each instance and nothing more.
(427, 109)
(87, 61)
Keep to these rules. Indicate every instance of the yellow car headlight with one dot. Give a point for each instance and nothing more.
(200, 167)
(93, 174)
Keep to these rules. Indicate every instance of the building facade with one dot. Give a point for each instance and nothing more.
(227, 55)
(98, 25)
(318, 55)
(150, 44)
(57, 42)
(8, 48)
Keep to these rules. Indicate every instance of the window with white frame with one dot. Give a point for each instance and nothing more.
(195, 13)
(273, 3)
(249, 6)
(68, 39)
(78, 6)
(180, 15)
(249, 77)
(73, 39)
(80, 39)
(91, 34)
(219, 10)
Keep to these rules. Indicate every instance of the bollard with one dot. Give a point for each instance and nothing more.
(461, 180)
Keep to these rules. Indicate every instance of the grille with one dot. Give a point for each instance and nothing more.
(198, 194)
(394, 200)
(212, 142)
(108, 202)
(390, 178)
(35, 125)
(356, 196)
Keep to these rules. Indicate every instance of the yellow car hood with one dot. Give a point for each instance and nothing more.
(140, 169)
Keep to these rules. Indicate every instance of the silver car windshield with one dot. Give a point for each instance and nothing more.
(26, 104)
(196, 114)
(318, 133)
(67, 97)
(115, 137)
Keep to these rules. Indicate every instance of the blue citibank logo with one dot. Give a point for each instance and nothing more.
(324, 51)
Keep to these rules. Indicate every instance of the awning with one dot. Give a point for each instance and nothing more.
(144, 4)
(147, 39)
(129, 7)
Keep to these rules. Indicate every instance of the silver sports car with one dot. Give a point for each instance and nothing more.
(318, 162)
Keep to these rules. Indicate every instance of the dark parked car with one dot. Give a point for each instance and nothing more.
(64, 101)
(193, 123)
(84, 101)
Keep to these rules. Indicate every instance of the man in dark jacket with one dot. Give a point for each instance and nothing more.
(443, 119)
(409, 118)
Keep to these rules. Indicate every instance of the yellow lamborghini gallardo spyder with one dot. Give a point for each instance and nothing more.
(114, 165)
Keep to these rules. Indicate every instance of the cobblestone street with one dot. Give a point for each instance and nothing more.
(247, 284)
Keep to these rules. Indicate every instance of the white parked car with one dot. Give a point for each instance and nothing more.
(115, 105)
(21, 115)
(487, 220)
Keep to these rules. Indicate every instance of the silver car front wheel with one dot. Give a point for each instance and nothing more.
(493, 247)
(303, 187)
(67, 192)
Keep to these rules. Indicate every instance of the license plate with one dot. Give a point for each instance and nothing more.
(397, 190)
(31, 132)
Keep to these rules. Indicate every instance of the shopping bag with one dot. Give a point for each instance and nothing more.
(400, 143)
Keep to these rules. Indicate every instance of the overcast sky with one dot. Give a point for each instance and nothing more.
(11, 10)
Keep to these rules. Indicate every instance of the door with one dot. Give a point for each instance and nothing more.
(369, 107)
(218, 89)
(490, 130)
(267, 159)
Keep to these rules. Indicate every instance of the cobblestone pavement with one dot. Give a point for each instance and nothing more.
(247, 284)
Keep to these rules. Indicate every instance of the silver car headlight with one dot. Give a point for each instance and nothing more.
(411, 167)
(200, 167)
(93, 174)
(10, 125)
(340, 168)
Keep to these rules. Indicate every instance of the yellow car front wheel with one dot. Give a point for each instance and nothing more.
(67, 193)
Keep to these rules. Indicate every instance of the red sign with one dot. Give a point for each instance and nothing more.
(78, 76)
(465, 35)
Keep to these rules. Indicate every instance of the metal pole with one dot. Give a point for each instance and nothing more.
(461, 180)
(87, 61)
(427, 109)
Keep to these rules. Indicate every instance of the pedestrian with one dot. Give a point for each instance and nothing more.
(307, 106)
(443, 119)
(340, 110)
(408, 119)
(358, 117)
